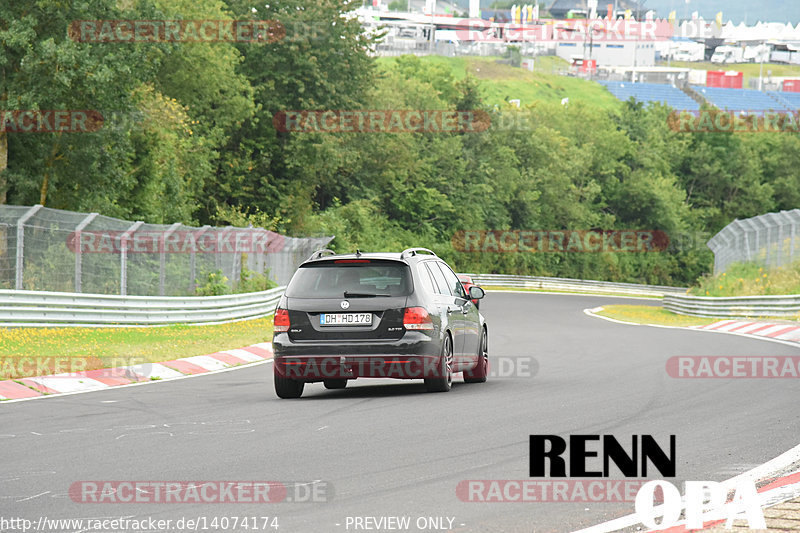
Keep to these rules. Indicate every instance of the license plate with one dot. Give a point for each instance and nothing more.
(345, 319)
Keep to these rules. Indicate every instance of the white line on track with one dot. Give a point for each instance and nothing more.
(34, 496)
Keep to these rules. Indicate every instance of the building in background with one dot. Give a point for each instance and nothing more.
(561, 9)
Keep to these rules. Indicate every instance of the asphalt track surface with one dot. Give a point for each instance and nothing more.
(387, 447)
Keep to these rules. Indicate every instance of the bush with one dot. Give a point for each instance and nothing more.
(216, 285)
(250, 281)
(750, 279)
(514, 55)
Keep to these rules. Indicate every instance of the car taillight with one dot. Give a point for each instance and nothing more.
(281, 321)
(417, 318)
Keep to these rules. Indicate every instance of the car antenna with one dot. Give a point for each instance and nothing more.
(358, 252)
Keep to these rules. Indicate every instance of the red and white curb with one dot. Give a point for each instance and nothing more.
(783, 332)
(92, 380)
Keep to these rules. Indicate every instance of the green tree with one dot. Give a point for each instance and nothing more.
(321, 63)
(148, 160)
(41, 68)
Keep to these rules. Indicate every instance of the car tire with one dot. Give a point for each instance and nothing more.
(481, 370)
(334, 384)
(444, 380)
(288, 388)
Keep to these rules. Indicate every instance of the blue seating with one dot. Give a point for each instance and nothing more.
(790, 100)
(652, 92)
(746, 100)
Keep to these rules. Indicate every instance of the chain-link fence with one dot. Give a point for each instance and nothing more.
(53, 250)
(771, 240)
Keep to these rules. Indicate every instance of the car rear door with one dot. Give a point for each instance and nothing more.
(451, 306)
(470, 331)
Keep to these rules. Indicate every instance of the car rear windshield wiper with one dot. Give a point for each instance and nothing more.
(348, 294)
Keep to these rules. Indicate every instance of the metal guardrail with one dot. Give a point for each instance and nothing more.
(567, 284)
(58, 309)
(42, 309)
(734, 306)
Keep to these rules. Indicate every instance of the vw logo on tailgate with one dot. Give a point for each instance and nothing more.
(345, 304)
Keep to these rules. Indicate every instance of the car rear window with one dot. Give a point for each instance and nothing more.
(455, 286)
(438, 279)
(332, 280)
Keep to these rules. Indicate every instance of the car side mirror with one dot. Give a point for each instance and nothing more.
(476, 293)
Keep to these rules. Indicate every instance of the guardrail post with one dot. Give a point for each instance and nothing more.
(747, 246)
(78, 250)
(162, 257)
(123, 257)
(261, 249)
(21, 244)
(221, 235)
(767, 247)
(193, 258)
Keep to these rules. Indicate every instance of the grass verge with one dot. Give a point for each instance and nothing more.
(25, 352)
(750, 279)
(501, 82)
(647, 314)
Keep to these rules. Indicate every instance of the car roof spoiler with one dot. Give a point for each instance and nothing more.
(319, 253)
(410, 252)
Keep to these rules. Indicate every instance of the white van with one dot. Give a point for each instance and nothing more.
(728, 54)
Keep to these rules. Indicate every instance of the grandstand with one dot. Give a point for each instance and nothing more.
(790, 100)
(652, 92)
(751, 101)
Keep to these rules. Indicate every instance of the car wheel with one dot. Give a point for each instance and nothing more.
(287, 387)
(334, 383)
(444, 380)
(481, 370)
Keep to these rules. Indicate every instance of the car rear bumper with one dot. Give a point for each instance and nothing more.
(415, 356)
